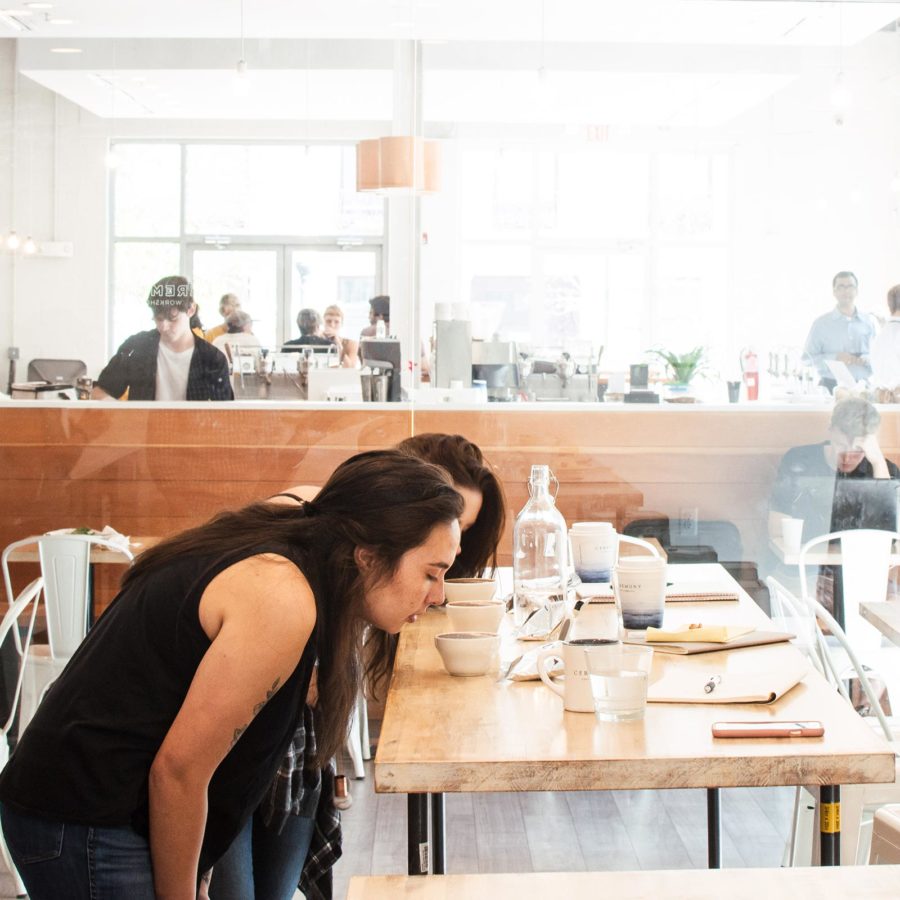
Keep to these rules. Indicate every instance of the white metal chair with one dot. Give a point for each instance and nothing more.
(358, 736)
(809, 618)
(885, 837)
(30, 597)
(865, 569)
(65, 571)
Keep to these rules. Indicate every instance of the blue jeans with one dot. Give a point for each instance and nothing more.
(78, 862)
(262, 865)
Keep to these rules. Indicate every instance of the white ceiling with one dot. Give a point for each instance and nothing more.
(630, 62)
(633, 21)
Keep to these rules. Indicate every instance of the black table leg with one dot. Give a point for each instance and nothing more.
(438, 828)
(417, 834)
(713, 829)
(830, 825)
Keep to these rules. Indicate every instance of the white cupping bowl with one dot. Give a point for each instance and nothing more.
(471, 590)
(474, 616)
(468, 652)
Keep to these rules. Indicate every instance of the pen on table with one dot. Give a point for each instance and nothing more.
(710, 685)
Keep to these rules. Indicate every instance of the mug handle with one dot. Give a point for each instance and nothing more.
(543, 656)
(639, 542)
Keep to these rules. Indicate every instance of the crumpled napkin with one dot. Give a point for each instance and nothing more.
(113, 537)
(526, 668)
(711, 634)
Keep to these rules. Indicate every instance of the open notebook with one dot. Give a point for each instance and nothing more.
(686, 685)
(689, 648)
(678, 592)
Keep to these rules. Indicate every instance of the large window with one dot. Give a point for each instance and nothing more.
(236, 218)
(582, 249)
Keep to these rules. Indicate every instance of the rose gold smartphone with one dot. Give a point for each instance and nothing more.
(767, 729)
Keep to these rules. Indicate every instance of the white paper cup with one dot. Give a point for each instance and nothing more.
(639, 583)
(792, 534)
(593, 550)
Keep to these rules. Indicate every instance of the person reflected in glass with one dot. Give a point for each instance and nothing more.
(333, 321)
(844, 334)
(294, 837)
(886, 350)
(162, 735)
(239, 336)
(170, 362)
(228, 303)
(839, 484)
(379, 311)
(310, 324)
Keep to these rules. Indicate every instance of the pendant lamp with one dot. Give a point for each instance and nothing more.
(398, 163)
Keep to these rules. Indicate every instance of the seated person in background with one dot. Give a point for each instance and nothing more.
(168, 362)
(844, 334)
(840, 484)
(886, 347)
(334, 321)
(379, 311)
(310, 324)
(196, 324)
(227, 305)
(239, 334)
(806, 486)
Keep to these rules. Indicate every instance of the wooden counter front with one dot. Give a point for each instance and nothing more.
(155, 469)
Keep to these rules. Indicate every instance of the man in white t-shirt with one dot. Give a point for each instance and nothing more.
(169, 362)
(886, 346)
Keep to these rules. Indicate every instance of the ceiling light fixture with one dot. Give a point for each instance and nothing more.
(39, 5)
(398, 163)
(241, 79)
(59, 21)
(841, 97)
(65, 50)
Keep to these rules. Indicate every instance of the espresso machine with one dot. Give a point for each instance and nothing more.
(383, 354)
(496, 363)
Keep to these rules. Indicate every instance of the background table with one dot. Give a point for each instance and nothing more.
(862, 882)
(443, 734)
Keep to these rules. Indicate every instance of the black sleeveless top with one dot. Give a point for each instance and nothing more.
(85, 757)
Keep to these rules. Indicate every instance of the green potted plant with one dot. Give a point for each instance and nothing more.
(682, 367)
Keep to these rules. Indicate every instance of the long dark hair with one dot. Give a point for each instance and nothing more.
(383, 500)
(465, 463)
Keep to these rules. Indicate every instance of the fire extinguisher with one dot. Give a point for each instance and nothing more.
(750, 369)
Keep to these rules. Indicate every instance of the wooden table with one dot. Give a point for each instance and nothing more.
(885, 616)
(443, 734)
(821, 557)
(850, 883)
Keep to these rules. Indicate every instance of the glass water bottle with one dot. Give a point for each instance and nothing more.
(540, 570)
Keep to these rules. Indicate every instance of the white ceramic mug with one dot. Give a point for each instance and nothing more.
(639, 583)
(576, 689)
(594, 549)
(792, 534)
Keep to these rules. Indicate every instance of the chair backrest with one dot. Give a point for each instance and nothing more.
(864, 571)
(793, 615)
(52, 370)
(824, 619)
(30, 596)
(65, 561)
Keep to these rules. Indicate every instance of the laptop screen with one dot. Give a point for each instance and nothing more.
(865, 503)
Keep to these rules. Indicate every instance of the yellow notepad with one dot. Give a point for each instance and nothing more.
(715, 634)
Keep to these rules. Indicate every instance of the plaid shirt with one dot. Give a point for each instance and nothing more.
(301, 791)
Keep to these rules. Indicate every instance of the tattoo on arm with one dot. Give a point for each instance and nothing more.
(256, 709)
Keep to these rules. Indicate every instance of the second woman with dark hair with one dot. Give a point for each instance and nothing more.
(266, 860)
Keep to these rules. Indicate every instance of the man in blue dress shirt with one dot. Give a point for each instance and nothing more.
(843, 334)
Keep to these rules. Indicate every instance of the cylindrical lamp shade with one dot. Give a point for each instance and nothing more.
(398, 163)
(368, 163)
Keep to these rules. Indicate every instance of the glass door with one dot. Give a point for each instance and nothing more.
(252, 272)
(318, 277)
